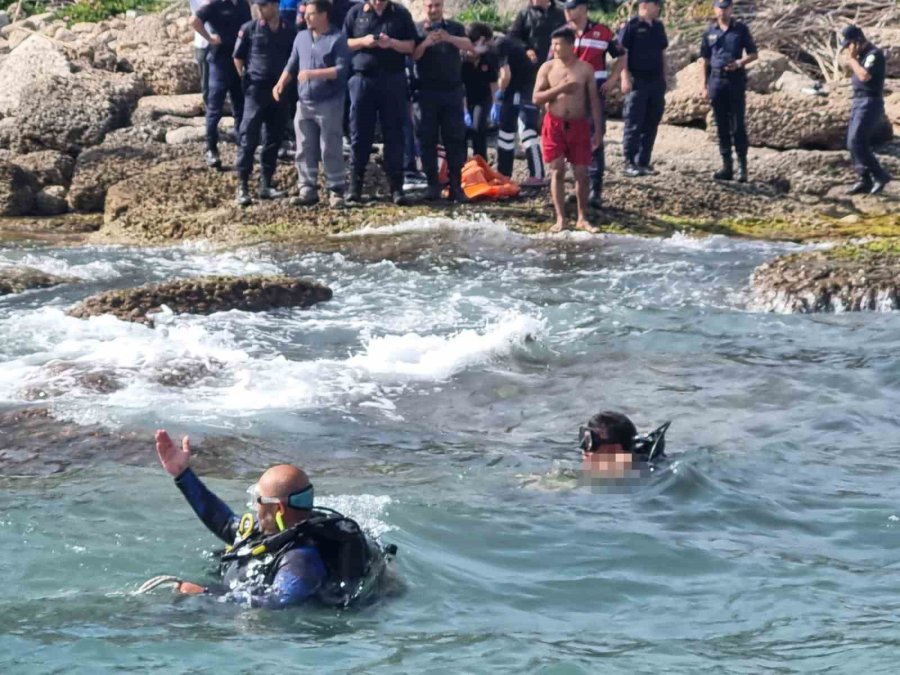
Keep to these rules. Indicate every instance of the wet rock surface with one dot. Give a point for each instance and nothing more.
(846, 278)
(18, 279)
(204, 295)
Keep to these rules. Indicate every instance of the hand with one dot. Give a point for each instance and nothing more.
(495, 114)
(626, 85)
(596, 139)
(369, 41)
(174, 461)
(604, 88)
(705, 93)
(732, 66)
(568, 86)
(214, 39)
(277, 91)
(384, 42)
(853, 50)
(467, 119)
(532, 55)
(303, 76)
(438, 35)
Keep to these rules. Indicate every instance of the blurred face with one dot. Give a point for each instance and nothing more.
(268, 11)
(649, 11)
(562, 49)
(315, 20)
(543, 4)
(723, 15)
(379, 5)
(434, 9)
(577, 16)
(614, 464)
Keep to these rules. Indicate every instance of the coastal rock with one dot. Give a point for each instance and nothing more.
(154, 107)
(35, 58)
(765, 71)
(48, 167)
(77, 111)
(205, 295)
(793, 83)
(115, 160)
(685, 103)
(17, 190)
(846, 278)
(162, 58)
(4, 19)
(191, 134)
(51, 201)
(18, 279)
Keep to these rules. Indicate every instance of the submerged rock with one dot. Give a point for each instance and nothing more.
(845, 278)
(205, 295)
(18, 279)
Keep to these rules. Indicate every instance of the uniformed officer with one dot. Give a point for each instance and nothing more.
(480, 75)
(441, 96)
(225, 17)
(726, 49)
(380, 33)
(514, 110)
(533, 27)
(261, 53)
(868, 67)
(644, 85)
(593, 41)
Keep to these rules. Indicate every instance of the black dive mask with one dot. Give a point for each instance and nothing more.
(647, 448)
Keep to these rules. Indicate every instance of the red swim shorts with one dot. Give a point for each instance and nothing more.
(566, 138)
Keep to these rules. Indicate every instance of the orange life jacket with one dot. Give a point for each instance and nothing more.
(480, 181)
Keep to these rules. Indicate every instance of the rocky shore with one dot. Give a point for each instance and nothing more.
(101, 131)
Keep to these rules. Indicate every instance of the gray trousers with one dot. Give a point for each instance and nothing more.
(319, 128)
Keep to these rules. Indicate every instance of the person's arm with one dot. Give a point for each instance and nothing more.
(198, 23)
(520, 32)
(356, 43)
(424, 44)
(504, 75)
(596, 108)
(458, 38)
(300, 574)
(212, 511)
(242, 48)
(615, 70)
(853, 61)
(544, 93)
(750, 50)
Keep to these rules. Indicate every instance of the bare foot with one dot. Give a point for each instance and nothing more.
(559, 227)
(586, 226)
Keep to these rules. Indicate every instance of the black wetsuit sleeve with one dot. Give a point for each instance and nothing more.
(215, 514)
(300, 574)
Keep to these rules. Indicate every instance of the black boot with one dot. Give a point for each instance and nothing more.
(354, 194)
(457, 194)
(727, 170)
(212, 159)
(862, 186)
(742, 169)
(266, 191)
(398, 197)
(243, 193)
(595, 198)
(879, 185)
(432, 192)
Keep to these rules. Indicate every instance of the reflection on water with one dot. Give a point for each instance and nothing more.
(436, 399)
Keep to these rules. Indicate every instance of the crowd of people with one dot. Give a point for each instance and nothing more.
(433, 88)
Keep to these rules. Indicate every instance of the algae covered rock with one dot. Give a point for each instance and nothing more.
(205, 295)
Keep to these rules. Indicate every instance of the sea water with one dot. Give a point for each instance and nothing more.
(436, 399)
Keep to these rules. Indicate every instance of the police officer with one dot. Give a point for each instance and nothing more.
(441, 96)
(514, 110)
(380, 33)
(261, 53)
(726, 49)
(867, 64)
(644, 85)
(593, 41)
(225, 17)
(533, 27)
(479, 75)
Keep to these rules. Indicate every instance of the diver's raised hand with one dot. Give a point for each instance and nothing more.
(173, 460)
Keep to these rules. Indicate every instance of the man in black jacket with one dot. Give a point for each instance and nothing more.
(533, 27)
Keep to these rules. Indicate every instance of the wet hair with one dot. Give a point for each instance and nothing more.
(477, 30)
(614, 427)
(564, 33)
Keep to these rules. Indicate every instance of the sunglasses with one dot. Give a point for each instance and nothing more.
(302, 500)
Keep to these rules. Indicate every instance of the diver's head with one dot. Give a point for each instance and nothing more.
(283, 498)
(607, 443)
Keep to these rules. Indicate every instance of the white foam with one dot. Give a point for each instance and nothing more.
(422, 224)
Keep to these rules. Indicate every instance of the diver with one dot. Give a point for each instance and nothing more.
(611, 446)
(289, 553)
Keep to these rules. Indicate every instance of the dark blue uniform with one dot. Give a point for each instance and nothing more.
(265, 53)
(378, 90)
(533, 27)
(478, 76)
(727, 89)
(645, 44)
(517, 110)
(866, 113)
(225, 18)
(441, 93)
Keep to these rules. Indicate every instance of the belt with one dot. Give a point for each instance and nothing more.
(721, 72)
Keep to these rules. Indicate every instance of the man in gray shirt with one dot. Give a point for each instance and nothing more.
(320, 61)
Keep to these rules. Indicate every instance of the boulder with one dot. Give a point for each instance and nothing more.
(763, 73)
(4, 19)
(9, 133)
(34, 59)
(74, 112)
(18, 279)
(184, 105)
(165, 64)
(795, 83)
(48, 167)
(51, 201)
(846, 278)
(892, 110)
(100, 167)
(189, 134)
(205, 295)
(17, 190)
(685, 103)
(4, 46)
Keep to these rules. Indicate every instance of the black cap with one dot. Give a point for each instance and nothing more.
(609, 428)
(851, 34)
(722, 4)
(572, 4)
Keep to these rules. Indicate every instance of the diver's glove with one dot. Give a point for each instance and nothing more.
(186, 587)
(495, 114)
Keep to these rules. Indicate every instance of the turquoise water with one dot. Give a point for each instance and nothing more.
(436, 399)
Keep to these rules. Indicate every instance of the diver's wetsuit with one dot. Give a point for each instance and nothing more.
(300, 571)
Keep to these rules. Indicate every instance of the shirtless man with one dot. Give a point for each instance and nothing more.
(565, 85)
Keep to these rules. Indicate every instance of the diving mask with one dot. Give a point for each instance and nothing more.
(302, 500)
